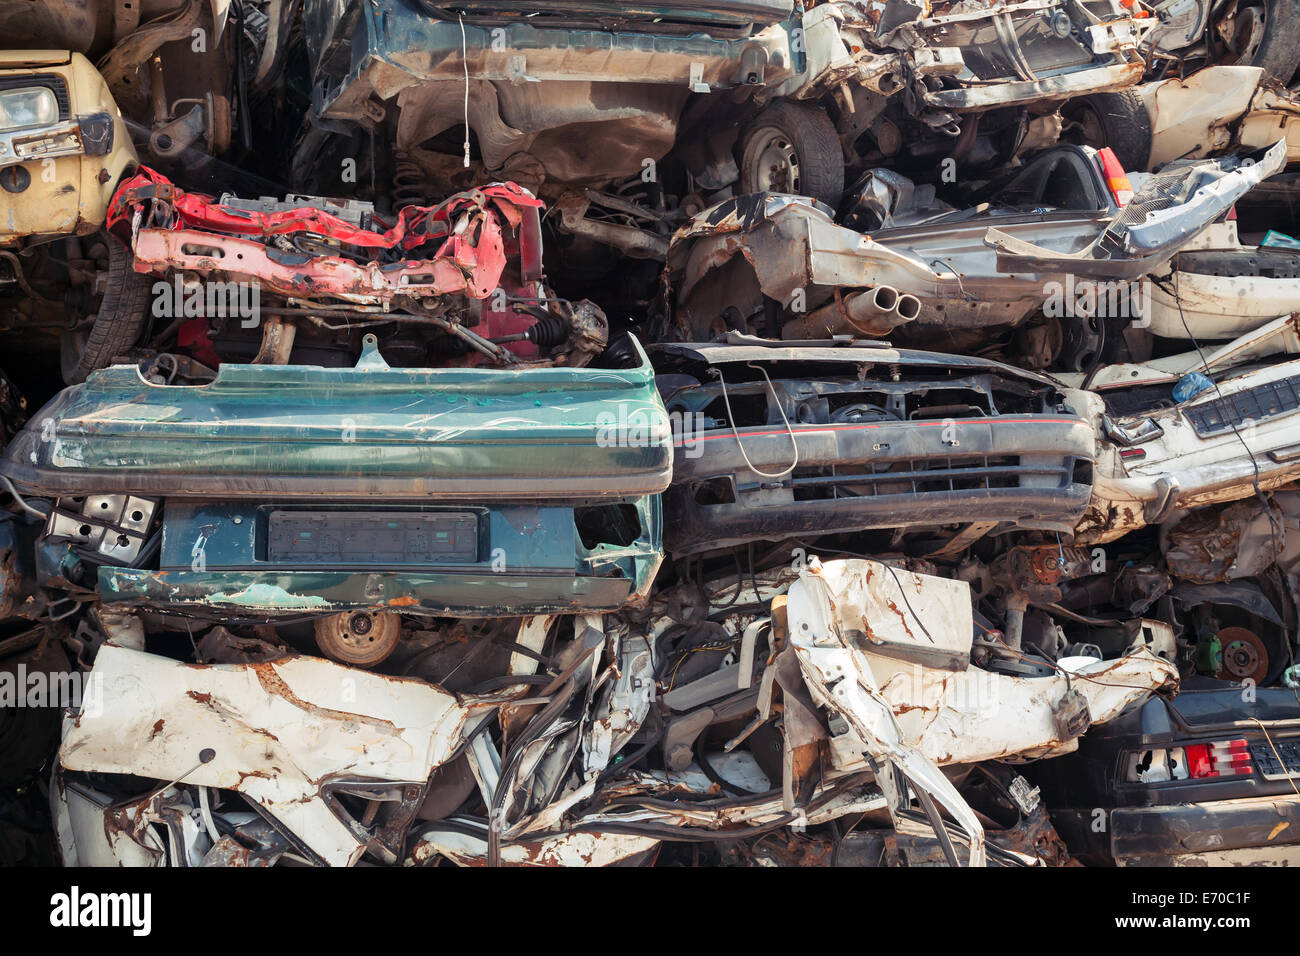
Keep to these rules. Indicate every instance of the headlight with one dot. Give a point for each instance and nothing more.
(33, 106)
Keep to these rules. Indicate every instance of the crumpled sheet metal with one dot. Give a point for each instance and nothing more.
(957, 715)
(918, 717)
(1223, 544)
(175, 230)
(278, 730)
(840, 679)
(89, 835)
(1186, 470)
(466, 847)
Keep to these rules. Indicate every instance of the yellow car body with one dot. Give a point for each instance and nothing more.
(57, 178)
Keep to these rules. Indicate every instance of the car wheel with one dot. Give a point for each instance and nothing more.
(1264, 33)
(116, 324)
(792, 148)
(1118, 120)
(359, 638)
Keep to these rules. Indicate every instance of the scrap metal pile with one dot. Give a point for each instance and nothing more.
(734, 432)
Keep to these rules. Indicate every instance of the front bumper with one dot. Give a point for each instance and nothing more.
(367, 433)
(1016, 468)
(46, 142)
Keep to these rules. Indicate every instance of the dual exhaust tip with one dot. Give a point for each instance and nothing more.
(871, 312)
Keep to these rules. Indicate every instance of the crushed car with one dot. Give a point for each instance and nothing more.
(537, 748)
(1205, 779)
(1232, 437)
(373, 492)
(738, 433)
(788, 440)
(902, 263)
(1191, 33)
(186, 75)
(728, 97)
(64, 148)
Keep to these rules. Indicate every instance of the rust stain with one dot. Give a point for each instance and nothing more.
(902, 619)
(275, 685)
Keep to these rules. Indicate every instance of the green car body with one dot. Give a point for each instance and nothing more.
(291, 490)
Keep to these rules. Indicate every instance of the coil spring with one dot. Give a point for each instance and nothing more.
(408, 184)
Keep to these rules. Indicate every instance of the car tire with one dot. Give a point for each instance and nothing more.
(792, 148)
(1118, 120)
(1279, 51)
(118, 321)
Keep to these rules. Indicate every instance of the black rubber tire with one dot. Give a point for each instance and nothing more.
(121, 315)
(1279, 53)
(815, 141)
(1125, 126)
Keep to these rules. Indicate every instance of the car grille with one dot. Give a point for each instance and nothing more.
(924, 476)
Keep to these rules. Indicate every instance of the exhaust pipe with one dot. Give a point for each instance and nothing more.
(870, 312)
(908, 308)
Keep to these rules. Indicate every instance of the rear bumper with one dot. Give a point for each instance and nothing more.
(299, 593)
(277, 561)
(1258, 829)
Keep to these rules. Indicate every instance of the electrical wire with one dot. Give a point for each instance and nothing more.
(18, 499)
(902, 591)
(464, 59)
(731, 419)
(1280, 762)
(1255, 481)
(893, 573)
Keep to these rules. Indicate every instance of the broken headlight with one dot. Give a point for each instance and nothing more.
(30, 106)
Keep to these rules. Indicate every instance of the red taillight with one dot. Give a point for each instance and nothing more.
(1116, 178)
(1222, 758)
